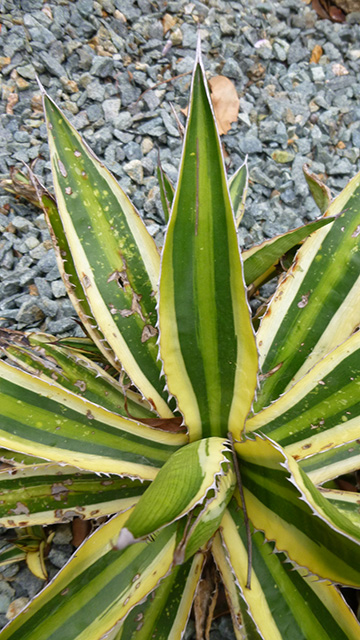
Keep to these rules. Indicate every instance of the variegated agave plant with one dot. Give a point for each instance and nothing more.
(192, 464)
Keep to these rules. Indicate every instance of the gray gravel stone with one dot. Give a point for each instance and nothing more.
(111, 109)
(58, 289)
(26, 583)
(60, 554)
(135, 170)
(30, 313)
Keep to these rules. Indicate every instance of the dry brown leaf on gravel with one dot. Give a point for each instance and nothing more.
(225, 102)
(12, 100)
(316, 54)
(168, 22)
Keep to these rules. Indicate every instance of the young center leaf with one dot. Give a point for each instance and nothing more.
(206, 340)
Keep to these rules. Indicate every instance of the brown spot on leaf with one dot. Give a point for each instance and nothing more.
(68, 191)
(86, 281)
(304, 300)
(20, 508)
(59, 491)
(356, 233)
(77, 153)
(62, 168)
(263, 376)
(173, 425)
(81, 385)
(120, 278)
(148, 332)
(89, 415)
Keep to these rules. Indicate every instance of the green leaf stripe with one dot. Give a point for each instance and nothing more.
(316, 307)
(332, 463)
(206, 339)
(264, 257)
(40, 354)
(70, 277)
(42, 496)
(320, 411)
(348, 502)
(165, 612)
(283, 502)
(44, 420)
(289, 600)
(115, 257)
(166, 191)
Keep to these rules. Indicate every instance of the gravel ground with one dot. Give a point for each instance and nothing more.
(104, 62)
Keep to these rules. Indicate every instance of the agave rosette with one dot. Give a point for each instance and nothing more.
(157, 451)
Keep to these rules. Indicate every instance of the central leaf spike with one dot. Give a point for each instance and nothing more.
(207, 344)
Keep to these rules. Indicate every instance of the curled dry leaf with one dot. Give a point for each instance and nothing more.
(328, 10)
(316, 54)
(80, 530)
(225, 102)
(173, 425)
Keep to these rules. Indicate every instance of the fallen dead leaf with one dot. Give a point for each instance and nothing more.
(36, 102)
(168, 22)
(12, 100)
(4, 61)
(316, 54)
(325, 9)
(33, 290)
(47, 11)
(80, 530)
(205, 601)
(173, 425)
(225, 102)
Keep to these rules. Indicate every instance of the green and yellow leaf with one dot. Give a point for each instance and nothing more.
(41, 419)
(316, 306)
(165, 612)
(283, 502)
(96, 588)
(322, 410)
(319, 191)
(206, 339)
(199, 476)
(47, 494)
(41, 355)
(166, 192)
(238, 187)
(334, 462)
(116, 259)
(260, 261)
(348, 502)
(282, 601)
